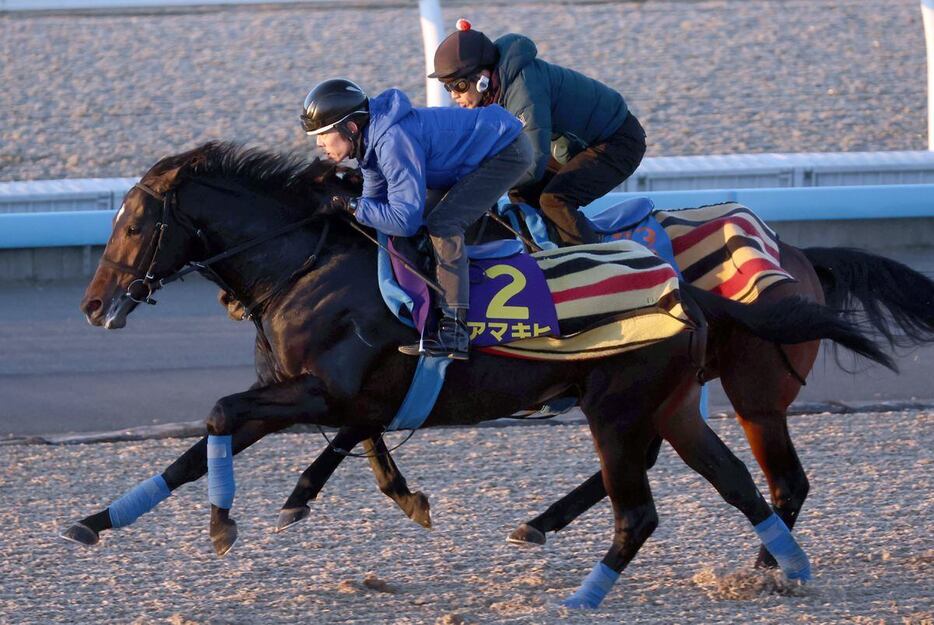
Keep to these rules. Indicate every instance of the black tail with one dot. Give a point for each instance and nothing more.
(787, 321)
(895, 299)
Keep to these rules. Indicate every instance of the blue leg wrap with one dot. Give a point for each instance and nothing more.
(705, 402)
(595, 587)
(777, 538)
(221, 484)
(138, 501)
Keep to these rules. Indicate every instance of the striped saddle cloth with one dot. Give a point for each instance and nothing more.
(608, 298)
(722, 248)
(573, 303)
(725, 249)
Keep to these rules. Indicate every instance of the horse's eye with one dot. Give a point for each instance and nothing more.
(132, 230)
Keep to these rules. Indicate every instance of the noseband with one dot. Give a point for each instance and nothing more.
(145, 278)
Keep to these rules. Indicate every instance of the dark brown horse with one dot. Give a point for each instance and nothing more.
(252, 222)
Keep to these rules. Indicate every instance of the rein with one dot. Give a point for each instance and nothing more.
(148, 280)
(418, 274)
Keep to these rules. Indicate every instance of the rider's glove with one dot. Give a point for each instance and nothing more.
(341, 204)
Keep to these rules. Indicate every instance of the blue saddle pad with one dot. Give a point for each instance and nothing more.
(622, 216)
(495, 249)
(632, 219)
(652, 235)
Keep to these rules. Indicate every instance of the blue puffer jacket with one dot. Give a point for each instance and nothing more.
(408, 150)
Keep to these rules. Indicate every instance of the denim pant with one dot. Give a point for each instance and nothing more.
(462, 205)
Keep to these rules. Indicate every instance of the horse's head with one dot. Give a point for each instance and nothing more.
(231, 194)
(150, 240)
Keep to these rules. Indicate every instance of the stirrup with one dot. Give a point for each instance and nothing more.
(412, 349)
(431, 347)
(451, 339)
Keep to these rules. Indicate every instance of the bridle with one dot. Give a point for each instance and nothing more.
(145, 278)
(150, 257)
(148, 280)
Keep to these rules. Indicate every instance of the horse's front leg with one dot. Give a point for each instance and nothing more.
(300, 400)
(390, 480)
(317, 474)
(146, 495)
(561, 513)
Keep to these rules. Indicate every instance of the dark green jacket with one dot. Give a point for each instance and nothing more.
(563, 111)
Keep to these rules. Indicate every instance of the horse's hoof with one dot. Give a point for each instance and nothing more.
(421, 514)
(765, 560)
(525, 534)
(291, 516)
(81, 534)
(223, 536)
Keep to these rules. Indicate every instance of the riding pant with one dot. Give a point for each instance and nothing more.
(590, 174)
(462, 205)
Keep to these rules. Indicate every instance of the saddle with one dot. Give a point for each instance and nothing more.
(724, 248)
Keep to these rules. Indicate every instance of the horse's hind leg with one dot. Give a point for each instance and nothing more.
(313, 479)
(561, 513)
(788, 484)
(390, 479)
(761, 409)
(146, 495)
(703, 451)
(635, 517)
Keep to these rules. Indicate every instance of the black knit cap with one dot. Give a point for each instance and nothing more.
(463, 52)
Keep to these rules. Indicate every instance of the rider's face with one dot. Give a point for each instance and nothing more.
(469, 99)
(335, 145)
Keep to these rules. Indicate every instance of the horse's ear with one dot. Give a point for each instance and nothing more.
(327, 174)
(352, 178)
(166, 180)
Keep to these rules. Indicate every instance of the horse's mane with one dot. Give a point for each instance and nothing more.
(288, 177)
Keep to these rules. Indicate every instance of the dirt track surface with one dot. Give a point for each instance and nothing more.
(866, 527)
(109, 94)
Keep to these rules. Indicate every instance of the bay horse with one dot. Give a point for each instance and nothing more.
(253, 223)
(761, 381)
(760, 378)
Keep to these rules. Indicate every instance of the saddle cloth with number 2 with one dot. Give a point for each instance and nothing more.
(572, 303)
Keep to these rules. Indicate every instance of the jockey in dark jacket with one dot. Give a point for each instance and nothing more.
(585, 140)
(474, 157)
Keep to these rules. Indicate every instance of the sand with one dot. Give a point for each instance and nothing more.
(866, 527)
(109, 94)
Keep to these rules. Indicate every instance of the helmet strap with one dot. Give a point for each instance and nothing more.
(355, 138)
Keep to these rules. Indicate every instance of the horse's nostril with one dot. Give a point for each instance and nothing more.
(92, 306)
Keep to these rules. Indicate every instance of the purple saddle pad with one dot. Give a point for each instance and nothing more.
(509, 299)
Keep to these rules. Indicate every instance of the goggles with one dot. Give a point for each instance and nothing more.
(460, 85)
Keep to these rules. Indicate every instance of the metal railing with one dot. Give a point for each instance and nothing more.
(81, 228)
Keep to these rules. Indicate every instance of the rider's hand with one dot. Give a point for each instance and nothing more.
(342, 204)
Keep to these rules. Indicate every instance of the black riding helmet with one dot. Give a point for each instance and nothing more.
(331, 102)
(463, 53)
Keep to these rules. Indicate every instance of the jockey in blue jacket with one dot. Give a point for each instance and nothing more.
(473, 157)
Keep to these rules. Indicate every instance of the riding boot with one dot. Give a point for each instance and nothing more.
(450, 339)
(585, 228)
